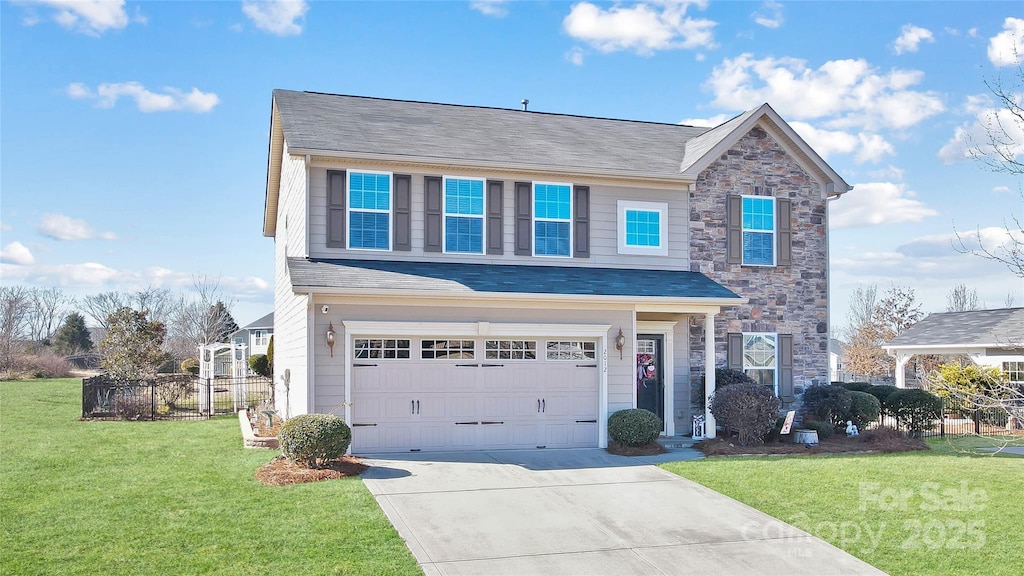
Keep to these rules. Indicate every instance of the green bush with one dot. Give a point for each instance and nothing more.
(882, 392)
(634, 427)
(824, 429)
(190, 366)
(728, 377)
(829, 403)
(914, 409)
(258, 363)
(749, 410)
(314, 439)
(270, 355)
(855, 386)
(864, 408)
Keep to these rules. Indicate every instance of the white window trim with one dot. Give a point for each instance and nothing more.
(743, 358)
(390, 211)
(774, 232)
(662, 209)
(534, 219)
(444, 216)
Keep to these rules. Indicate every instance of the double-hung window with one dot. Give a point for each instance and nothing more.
(643, 227)
(552, 219)
(1014, 371)
(464, 215)
(369, 207)
(760, 358)
(758, 231)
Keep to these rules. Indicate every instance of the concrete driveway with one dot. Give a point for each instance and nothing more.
(582, 512)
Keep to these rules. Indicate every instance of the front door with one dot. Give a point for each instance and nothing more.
(650, 383)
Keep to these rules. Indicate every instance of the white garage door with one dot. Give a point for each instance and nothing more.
(435, 394)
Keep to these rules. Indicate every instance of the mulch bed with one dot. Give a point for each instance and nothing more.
(623, 449)
(281, 472)
(884, 442)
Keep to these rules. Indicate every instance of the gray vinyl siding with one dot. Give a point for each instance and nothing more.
(290, 310)
(603, 223)
(329, 396)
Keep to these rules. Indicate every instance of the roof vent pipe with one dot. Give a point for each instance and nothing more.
(525, 103)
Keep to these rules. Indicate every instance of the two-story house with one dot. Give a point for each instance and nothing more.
(457, 277)
(255, 335)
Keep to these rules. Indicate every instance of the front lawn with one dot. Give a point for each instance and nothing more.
(167, 498)
(944, 511)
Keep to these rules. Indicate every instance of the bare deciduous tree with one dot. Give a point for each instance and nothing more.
(961, 299)
(49, 306)
(202, 318)
(157, 303)
(15, 305)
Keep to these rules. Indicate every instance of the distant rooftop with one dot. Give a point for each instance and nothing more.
(999, 328)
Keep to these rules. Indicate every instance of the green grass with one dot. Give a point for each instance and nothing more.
(167, 498)
(950, 510)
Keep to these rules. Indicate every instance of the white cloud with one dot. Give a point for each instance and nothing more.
(711, 122)
(911, 37)
(16, 253)
(575, 56)
(644, 28)
(774, 20)
(876, 204)
(1001, 189)
(973, 32)
(868, 147)
(847, 93)
(4, 226)
(107, 95)
(496, 8)
(1007, 47)
(888, 173)
(279, 17)
(973, 138)
(61, 227)
(92, 17)
(992, 238)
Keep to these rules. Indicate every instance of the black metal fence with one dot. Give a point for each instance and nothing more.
(960, 418)
(172, 397)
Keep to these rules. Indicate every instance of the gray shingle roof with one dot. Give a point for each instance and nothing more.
(453, 278)
(357, 124)
(264, 322)
(984, 328)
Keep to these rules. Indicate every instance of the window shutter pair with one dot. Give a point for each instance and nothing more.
(433, 212)
(524, 220)
(783, 361)
(783, 230)
(401, 209)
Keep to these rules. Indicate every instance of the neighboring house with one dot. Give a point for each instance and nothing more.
(836, 350)
(457, 277)
(255, 335)
(988, 337)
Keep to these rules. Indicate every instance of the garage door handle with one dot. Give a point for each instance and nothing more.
(538, 404)
(492, 422)
(466, 423)
(586, 365)
(361, 425)
(544, 405)
(417, 406)
(491, 365)
(586, 421)
(363, 365)
(467, 365)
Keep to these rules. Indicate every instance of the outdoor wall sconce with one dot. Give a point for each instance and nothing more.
(620, 342)
(330, 338)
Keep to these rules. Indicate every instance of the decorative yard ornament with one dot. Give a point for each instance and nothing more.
(851, 429)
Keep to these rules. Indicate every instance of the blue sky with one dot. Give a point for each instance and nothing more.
(134, 134)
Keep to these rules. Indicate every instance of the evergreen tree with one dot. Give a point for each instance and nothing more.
(73, 335)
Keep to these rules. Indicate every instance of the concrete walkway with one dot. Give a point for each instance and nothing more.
(582, 512)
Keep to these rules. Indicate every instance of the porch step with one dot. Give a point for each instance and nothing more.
(676, 442)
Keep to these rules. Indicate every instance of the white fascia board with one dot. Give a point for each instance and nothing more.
(473, 329)
(940, 348)
(642, 303)
(456, 163)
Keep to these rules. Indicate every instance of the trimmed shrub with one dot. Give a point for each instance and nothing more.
(855, 386)
(749, 410)
(634, 427)
(270, 355)
(824, 429)
(829, 403)
(882, 392)
(914, 409)
(190, 366)
(314, 439)
(728, 377)
(864, 408)
(258, 363)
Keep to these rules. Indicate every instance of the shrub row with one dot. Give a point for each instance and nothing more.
(864, 403)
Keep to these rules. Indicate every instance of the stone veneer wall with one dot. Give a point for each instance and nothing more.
(787, 299)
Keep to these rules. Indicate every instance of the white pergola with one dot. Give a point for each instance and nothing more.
(207, 373)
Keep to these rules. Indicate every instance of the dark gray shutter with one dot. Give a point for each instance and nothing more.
(581, 222)
(784, 231)
(335, 208)
(734, 351)
(785, 357)
(734, 229)
(495, 209)
(524, 219)
(402, 213)
(432, 214)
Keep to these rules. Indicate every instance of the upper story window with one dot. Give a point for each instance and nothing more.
(260, 338)
(464, 215)
(552, 219)
(369, 207)
(758, 231)
(643, 227)
(760, 358)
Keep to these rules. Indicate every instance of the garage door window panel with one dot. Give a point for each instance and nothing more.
(510, 350)
(448, 349)
(380, 348)
(571, 350)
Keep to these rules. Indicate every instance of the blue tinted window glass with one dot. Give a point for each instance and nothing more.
(368, 230)
(758, 248)
(643, 228)
(552, 238)
(464, 234)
